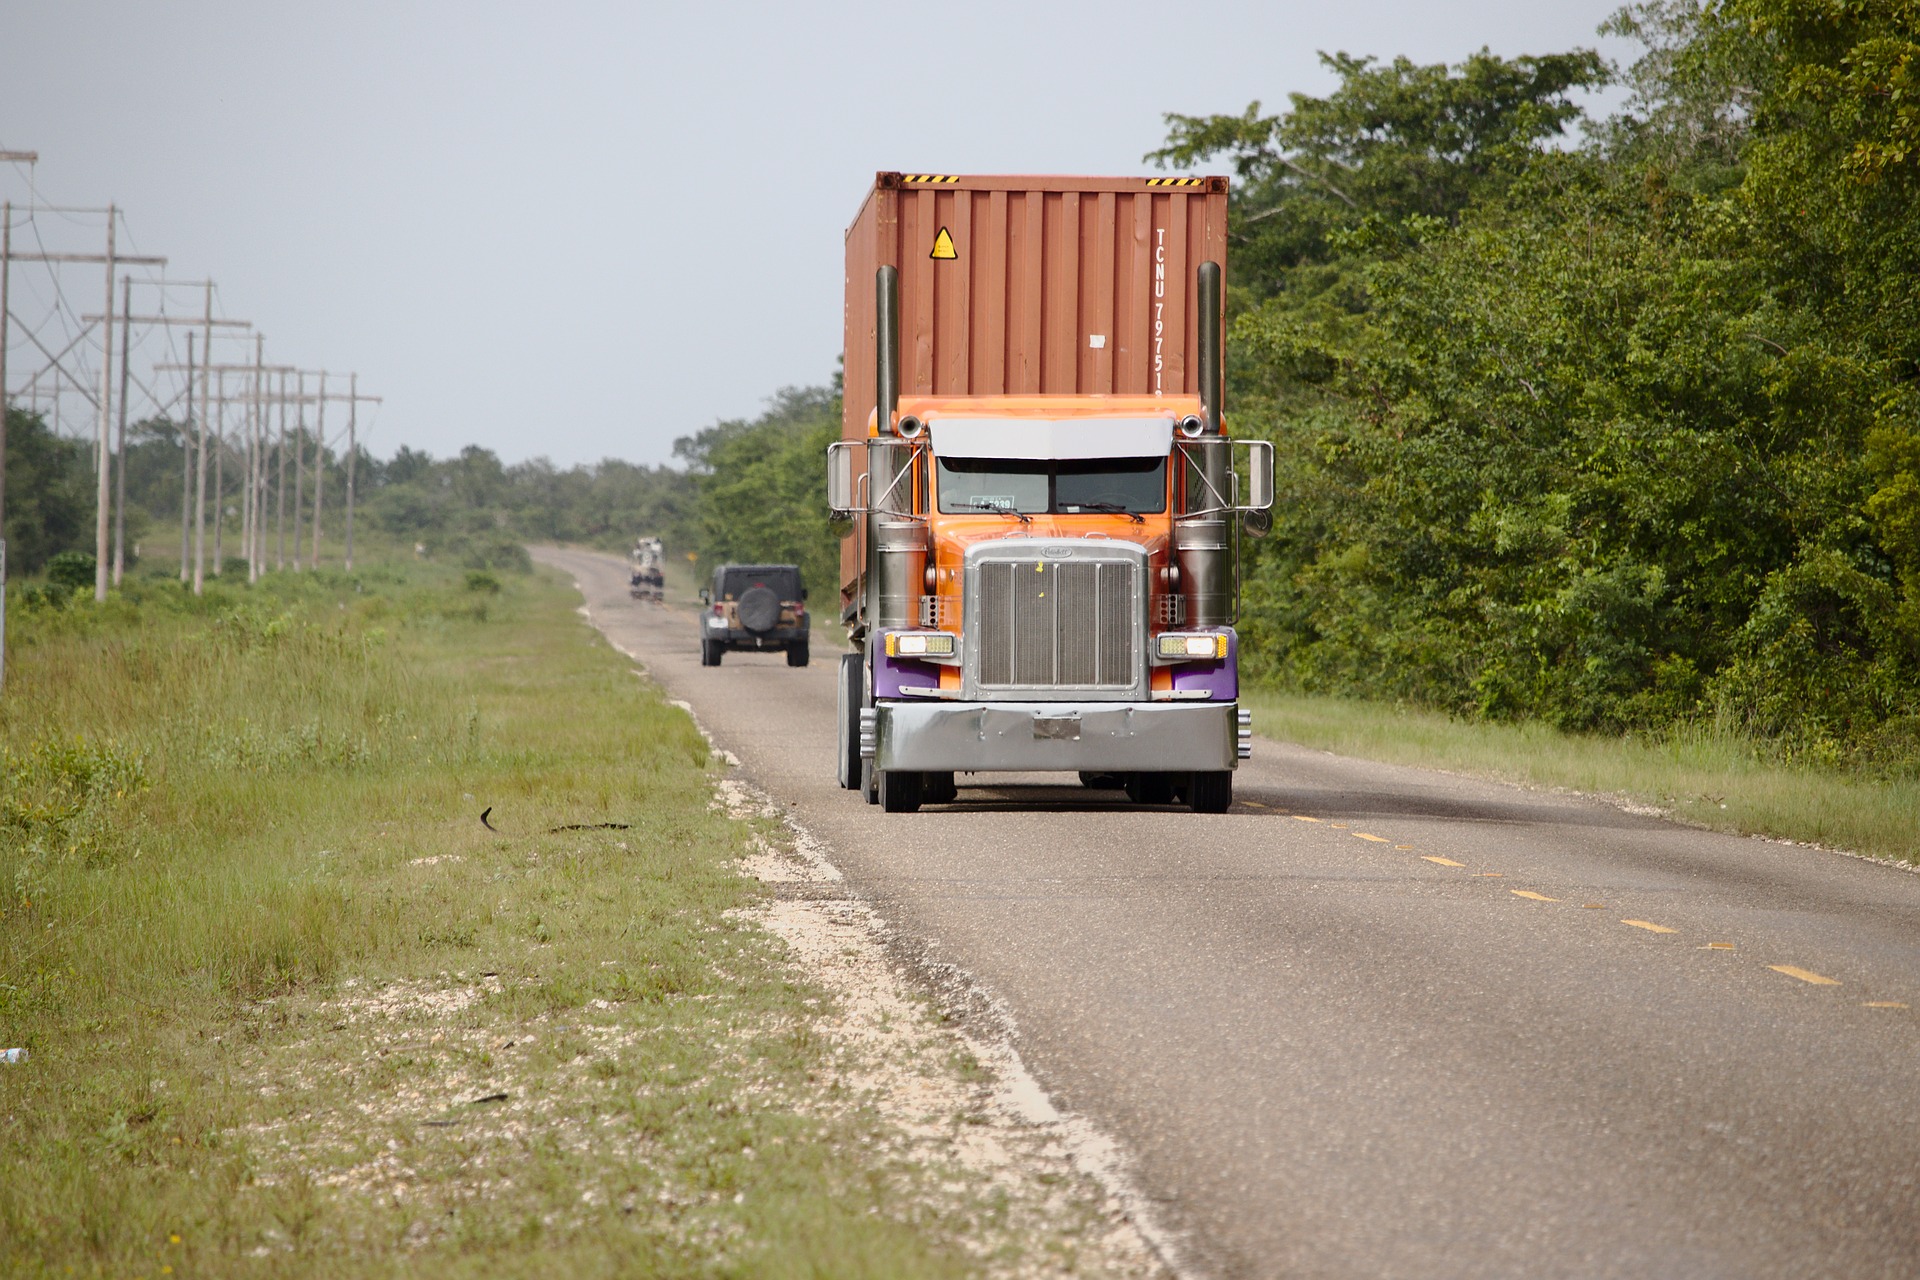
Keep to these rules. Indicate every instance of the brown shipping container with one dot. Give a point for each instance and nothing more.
(1055, 286)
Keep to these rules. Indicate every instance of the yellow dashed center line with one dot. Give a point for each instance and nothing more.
(1492, 875)
(1649, 926)
(1805, 975)
(1593, 906)
(1445, 862)
(1253, 804)
(1718, 946)
(1338, 826)
(1361, 835)
(1403, 846)
(1884, 1004)
(1528, 893)
(1301, 817)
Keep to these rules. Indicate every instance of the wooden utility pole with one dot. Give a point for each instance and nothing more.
(319, 467)
(6, 260)
(280, 484)
(120, 450)
(353, 450)
(186, 473)
(299, 468)
(103, 488)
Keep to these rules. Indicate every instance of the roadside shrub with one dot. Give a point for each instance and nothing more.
(71, 569)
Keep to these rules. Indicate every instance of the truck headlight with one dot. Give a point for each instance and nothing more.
(921, 644)
(1177, 644)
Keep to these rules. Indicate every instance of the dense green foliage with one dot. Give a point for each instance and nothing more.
(760, 488)
(49, 502)
(1615, 435)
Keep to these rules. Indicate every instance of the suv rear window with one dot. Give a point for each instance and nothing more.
(783, 582)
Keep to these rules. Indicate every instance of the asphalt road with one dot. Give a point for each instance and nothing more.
(1384, 1022)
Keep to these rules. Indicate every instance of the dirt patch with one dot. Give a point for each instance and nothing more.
(968, 1111)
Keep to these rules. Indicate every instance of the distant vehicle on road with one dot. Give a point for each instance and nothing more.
(754, 607)
(648, 580)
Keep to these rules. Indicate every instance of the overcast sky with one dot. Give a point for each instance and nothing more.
(581, 230)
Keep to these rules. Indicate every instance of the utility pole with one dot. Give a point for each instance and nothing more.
(103, 489)
(319, 467)
(253, 458)
(280, 484)
(6, 261)
(120, 453)
(299, 468)
(353, 450)
(186, 471)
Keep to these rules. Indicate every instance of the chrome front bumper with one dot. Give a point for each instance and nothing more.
(1024, 737)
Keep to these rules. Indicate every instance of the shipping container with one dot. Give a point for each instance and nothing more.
(1032, 285)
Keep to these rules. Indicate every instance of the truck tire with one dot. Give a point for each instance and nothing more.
(900, 791)
(1149, 788)
(710, 651)
(846, 762)
(759, 610)
(938, 788)
(1210, 792)
(797, 654)
(1102, 781)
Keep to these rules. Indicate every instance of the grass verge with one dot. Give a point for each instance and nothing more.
(1699, 776)
(293, 1010)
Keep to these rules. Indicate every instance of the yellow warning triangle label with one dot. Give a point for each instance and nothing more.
(943, 245)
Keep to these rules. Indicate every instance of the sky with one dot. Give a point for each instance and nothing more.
(578, 231)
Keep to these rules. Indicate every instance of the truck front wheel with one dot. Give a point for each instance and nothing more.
(1210, 792)
(1149, 788)
(900, 791)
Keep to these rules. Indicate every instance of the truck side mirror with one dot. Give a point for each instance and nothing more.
(1259, 475)
(841, 498)
(706, 596)
(803, 593)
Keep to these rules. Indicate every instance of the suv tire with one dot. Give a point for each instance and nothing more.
(797, 654)
(710, 651)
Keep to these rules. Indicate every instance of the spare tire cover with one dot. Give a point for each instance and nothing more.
(759, 609)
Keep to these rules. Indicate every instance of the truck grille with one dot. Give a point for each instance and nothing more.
(1057, 624)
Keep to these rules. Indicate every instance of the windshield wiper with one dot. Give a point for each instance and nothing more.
(1111, 508)
(997, 509)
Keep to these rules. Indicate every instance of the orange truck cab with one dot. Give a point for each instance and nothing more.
(1040, 575)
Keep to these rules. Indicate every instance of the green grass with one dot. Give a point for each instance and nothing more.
(270, 965)
(1716, 780)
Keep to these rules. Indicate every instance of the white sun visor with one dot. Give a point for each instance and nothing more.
(1051, 438)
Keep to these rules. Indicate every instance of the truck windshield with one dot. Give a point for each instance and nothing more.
(1129, 486)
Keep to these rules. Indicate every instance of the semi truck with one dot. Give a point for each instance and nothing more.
(1045, 505)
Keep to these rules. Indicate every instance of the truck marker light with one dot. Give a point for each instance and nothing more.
(919, 644)
(1175, 644)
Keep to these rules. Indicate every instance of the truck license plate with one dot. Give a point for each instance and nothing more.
(1065, 728)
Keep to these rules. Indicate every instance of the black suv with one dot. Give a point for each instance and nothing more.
(754, 606)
